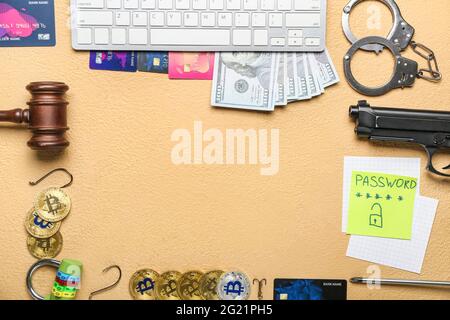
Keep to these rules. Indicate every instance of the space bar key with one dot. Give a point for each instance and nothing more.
(190, 37)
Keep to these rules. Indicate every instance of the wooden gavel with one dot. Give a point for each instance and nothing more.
(46, 116)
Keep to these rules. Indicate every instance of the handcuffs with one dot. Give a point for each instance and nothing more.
(398, 39)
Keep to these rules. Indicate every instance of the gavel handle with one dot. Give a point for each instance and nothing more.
(15, 116)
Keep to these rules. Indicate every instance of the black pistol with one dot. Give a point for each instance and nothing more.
(430, 129)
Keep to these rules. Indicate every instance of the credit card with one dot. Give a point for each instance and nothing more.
(309, 289)
(113, 60)
(153, 62)
(27, 23)
(191, 65)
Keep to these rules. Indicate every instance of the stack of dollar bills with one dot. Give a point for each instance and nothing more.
(263, 80)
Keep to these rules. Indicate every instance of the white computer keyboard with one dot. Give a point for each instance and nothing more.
(199, 25)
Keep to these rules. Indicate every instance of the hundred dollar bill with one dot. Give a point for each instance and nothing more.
(303, 87)
(282, 81)
(291, 77)
(326, 70)
(313, 82)
(244, 80)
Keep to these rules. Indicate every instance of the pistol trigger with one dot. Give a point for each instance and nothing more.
(447, 167)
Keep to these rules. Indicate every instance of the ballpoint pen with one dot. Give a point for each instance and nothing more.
(422, 283)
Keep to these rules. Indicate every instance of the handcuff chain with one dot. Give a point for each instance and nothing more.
(430, 74)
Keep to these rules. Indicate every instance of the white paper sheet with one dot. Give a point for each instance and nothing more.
(402, 254)
(400, 166)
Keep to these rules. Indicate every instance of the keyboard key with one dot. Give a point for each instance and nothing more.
(118, 36)
(285, 4)
(157, 19)
(242, 37)
(216, 4)
(295, 42)
(182, 4)
(130, 4)
(208, 19)
(192, 37)
(258, 19)
(311, 42)
(260, 37)
(225, 19)
(123, 18)
(233, 4)
(268, 4)
(165, 4)
(95, 18)
(241, 19)
(101, 36)
(295, 33)
(148, 4)
(91, 4)
(84, 36)
(275, 19)
(250, 4)
(199, 4)
(191, 19)
(138, 36)
(174, 19)
(140, 19)
(303, 19)
(278, 42)
(113, 4)
(307, 5)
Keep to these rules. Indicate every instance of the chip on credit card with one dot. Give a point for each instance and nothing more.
(27, 23)
(113, 60)
(309, 289)
(157, 62)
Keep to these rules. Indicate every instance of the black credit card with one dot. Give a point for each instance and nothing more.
(309, 289)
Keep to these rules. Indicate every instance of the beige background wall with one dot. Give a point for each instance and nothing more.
(133, 207)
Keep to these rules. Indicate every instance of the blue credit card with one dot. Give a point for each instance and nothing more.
(153, 62)
(309, 289)
(113, 60)
(27, 23)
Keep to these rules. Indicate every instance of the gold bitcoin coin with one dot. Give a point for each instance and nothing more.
(167, 286)
(52, 204)
(208, 284)
(39, 228)
(142, 284)
(189, 286)
(45, 248)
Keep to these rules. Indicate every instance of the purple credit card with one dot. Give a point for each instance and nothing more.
(113, 60)
(27, 23)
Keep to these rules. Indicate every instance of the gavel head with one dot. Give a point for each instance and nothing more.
(47, 116)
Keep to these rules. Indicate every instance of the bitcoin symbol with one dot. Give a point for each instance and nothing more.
(234, 288)
(193, 289)
(53, 204)
(212, 284)
(44, 244)
(169, 288)
(41, 223)
(145, 285)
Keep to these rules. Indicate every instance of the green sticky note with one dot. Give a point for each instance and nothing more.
(381, 205)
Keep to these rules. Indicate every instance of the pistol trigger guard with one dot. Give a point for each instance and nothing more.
(431, 151)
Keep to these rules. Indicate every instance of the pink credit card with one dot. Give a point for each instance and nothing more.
(191, 65)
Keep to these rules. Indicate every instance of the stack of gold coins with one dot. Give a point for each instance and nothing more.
(43, 222)
(147, 284)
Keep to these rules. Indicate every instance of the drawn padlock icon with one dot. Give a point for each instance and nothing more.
(376, 218)
(67, 281)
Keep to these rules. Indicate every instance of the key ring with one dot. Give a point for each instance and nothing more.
(66, 283)
(29, 280)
